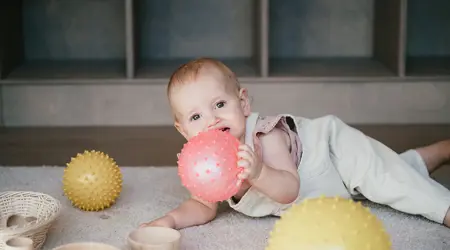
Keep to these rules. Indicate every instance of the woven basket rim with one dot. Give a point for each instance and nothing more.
(34, 226)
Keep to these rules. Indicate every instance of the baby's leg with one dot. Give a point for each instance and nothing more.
(417, 160)
(435, 155)
(382, 176)
(413, 158)
(447, 218)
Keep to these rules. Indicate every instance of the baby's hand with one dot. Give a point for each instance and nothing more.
(250, 161)
(165, 221)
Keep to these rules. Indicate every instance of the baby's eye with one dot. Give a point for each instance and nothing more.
(220, 104)
(195, 117)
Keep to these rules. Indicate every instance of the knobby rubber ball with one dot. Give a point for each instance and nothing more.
(207, 165)
(92, 181)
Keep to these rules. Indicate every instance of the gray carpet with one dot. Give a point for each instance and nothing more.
(150, 192)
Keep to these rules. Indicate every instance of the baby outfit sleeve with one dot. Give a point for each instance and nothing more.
(255, 203)
(287, 125)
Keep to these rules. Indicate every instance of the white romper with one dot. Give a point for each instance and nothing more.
(335, 159)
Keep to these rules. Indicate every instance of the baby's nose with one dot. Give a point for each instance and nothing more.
(213, 122)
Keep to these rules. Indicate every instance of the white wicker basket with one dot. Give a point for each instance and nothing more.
(43, 207)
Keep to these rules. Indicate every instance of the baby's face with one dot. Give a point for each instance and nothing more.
(206, 103)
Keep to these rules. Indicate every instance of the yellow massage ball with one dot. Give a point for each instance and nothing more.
(326, 224)
(92, 181)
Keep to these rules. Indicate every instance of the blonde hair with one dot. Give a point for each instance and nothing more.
(192, 69)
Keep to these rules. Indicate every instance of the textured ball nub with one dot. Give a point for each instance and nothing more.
(207, 165)
(326, 224)
(92, 181)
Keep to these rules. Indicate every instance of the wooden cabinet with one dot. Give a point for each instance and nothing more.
(103, 41)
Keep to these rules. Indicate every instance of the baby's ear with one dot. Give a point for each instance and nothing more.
(245, 102)
(180, 129)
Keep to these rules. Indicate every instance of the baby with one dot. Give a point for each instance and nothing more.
(287, 159)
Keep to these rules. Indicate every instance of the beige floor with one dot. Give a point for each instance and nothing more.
(150, 192)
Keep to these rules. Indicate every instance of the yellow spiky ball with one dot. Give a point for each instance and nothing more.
(328, 223)
(92, 181)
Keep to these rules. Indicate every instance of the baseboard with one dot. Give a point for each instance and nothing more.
(155, 146)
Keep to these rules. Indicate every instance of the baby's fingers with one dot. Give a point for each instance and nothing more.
(243, 175)
(245, 155)
(144, 225)
(243, 163)
(245, 147)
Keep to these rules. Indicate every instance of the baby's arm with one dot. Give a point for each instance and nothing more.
(279, 178)
(191, 212)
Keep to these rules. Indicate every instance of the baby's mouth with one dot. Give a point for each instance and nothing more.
(225, 129)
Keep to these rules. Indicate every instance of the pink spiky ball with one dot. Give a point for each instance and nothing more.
(207, 165)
